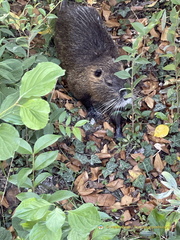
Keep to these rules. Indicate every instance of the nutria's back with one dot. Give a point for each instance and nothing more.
(87, 52)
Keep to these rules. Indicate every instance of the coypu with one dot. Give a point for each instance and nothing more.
(87, 53)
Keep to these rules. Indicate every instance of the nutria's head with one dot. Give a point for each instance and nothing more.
(98, 82)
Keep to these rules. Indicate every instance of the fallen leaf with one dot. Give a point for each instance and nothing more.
(126, 216)
(149, 101)
(126, 200)
(161, 131)
(138, 156)
(95, 172)
(100, 199)
(158, 164)
(114, 185)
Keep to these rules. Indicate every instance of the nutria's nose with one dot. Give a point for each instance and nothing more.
(122, 92)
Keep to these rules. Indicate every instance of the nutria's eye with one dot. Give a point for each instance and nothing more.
(98, 73)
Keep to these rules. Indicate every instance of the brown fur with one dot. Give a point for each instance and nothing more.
(87, 53)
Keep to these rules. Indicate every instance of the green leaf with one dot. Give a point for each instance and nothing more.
(41, 80)
(61, 195)
(84, 219)
(81, 123)
(141, 60)
(22, 176)
(32, 209)
(34, 113)
(73, 235)
(128, 49)
(25, 195)
(139, 27)
(9, 141)
(40, 231)
(146, 165)
(122, 74)
(170, 67)
(63, 116)
(45, 141)
(68, 121)
(94, 159)
(162, 195)
(171, 182)
(40, 178)
(9, 114)
(77, 133)
(161, 115)
(139, 182)
(55, 219)
(106, 231)
(26, 184)
(5, 234)
(24, 147)
(158, 221)
(175, 2)
(123, 57)
(45, 159)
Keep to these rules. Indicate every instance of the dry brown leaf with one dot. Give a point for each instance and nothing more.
(4, 202)
(95, 173)
(146, 208)
(114, 185)
(126, 216)
(82, 113)
(158, 164)
(105, 149)
(117, 205)
(103, 155)
(66, 204)
(149, 101)
(105, 200)
(64, 96)
(126, 200)
(150, 130)
(107, 126)
(73, 167)
(159, 140)
(154, 33)
(81, 183)
(69, 106)
(100, 133)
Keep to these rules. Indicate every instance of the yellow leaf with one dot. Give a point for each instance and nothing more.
(15, 20)
(161, 131)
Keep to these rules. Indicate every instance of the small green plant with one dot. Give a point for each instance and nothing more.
(163, 218)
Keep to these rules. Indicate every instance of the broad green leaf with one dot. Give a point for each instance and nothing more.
(55, 219)
(84, 219)
(41, 232)
(139, 182)
(63, 116)
(123, 57)
(158, 221)
(40, 178)
(68, 121)
(175, 2)
(8, 113)
(81, 123)
(106, 231)
(22, 176)
(45, 141)
(123, 74)
(139, 27)
(142, 60)
(161, 115)
(73, 235)
(45, 159)
(14, 179)
(32, 209)
(17, 69)
(162, 195)
(25, 195)
(170, 67)
(77, 133)
(61, 195)
(171, 182)
(34, 113)
(5, 234)
(41, 80)
(9, 141)
(24, 147)
(128, 49)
